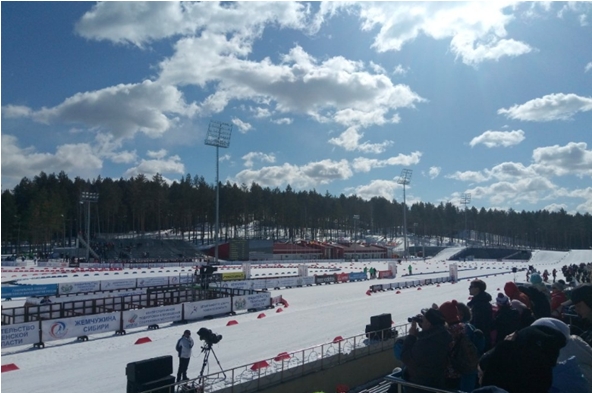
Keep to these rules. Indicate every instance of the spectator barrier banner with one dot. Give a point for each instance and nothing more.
(77, 287)
(20, 334)
(342, 277)
(152, 281)
(325, 279)
(247, 302)
(198, 310)
(385, 274)
(107, 285)
(233, 276)
(358, 276)
(14, 291)
(59, 329)
(151, 316)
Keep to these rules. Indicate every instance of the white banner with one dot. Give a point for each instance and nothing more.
(59, 329)
(77, 287)
(197, 310)
(152, 281)
(258, 300)
(20, 334)
(453, 272)
(151, 316)
(107, 285)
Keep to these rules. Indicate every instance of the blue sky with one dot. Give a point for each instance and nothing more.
(491, 99)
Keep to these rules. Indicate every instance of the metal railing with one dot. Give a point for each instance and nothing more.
(292, 365)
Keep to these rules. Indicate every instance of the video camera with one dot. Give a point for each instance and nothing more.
(417, 318)
(208, 336)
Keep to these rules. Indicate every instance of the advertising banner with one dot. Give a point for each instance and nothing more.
(325, 279)
(151, 316)
(233, 276)
(258, 300)
(358, 276)
(59, 329)
(453, 272)
(385, 274)
(78, 287)
(342, 277)
(14, 291)
(198, 310)
(20, 334)
(107, 285)
(152, 281)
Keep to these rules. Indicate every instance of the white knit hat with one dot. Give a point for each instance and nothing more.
(502, 299)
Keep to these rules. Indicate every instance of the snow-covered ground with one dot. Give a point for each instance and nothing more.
(315, 315)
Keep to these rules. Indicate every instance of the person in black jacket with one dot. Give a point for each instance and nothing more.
(425, 352)
(506, 320)
(481, 310)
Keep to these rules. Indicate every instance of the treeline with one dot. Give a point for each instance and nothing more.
(48, 209)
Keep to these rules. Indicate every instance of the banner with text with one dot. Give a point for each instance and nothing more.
(107, 285)
(152, 281)
(258, 301)
(151, 316)
(198, 310)
(14, 291)
(59, 329)
(20, 334)
(77, 287)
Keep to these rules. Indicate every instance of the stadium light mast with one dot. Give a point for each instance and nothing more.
(465, 200)
(88, 197)
(218, 136)
(405, 179)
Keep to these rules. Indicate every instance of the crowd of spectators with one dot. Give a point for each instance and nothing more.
(528, 338)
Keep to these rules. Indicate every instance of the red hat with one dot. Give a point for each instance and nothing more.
(450, 312)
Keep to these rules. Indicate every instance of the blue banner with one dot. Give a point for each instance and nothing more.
(14, 291)
(355, 276)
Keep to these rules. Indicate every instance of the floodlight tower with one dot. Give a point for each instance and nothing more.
(465, 200)
(218, 136)
(405, 179)
(88, 197)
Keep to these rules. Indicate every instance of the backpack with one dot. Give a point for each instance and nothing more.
(464, 356)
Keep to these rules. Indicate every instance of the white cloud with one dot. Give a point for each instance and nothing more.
(400, 70)
(377, 188)
(139, 23)
(588, 67)
(498, 138)
(477, 29)
(550, 107)
(362, 164)
(120, 110)
(283, 120)
(306, 176)
(251, 157)
(160, 154)
(571, 159)
(243, 127)
(15, 111)
(350, 141)
(161, 165)
(555, 207)
(74, 159)
(468, 176)
(434, 172)
(333, 89)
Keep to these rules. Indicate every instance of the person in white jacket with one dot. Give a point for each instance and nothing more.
(184, 346)
(575, 347)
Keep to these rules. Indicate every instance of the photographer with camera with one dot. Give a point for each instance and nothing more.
(184, 346)
(425, 352)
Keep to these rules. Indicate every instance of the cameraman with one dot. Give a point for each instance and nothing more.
(425, 352)
(184, 346)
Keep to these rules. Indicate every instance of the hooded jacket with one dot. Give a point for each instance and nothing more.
(481, 310)
(425, 356)
(511, 289)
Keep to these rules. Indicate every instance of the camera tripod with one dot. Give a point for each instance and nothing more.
(207, 349)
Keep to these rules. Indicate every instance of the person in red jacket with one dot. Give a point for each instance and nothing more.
(512, 291)
(557, 297)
